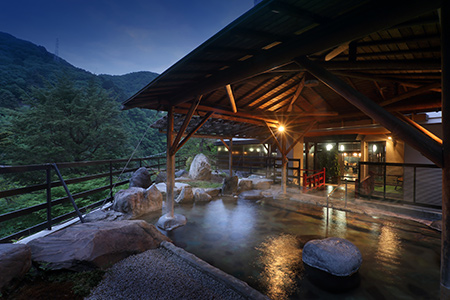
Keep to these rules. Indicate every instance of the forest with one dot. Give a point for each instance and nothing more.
(52, 112)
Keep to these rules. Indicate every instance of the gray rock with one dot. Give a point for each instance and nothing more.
(162, 187)
(186, 195)
(201, 196)
(15, 261)
(161, 177)
(336, 256)
(200, 168)
(141, 178)
(242, 174)
(251, 195)
(245, 185)
(230, 185)
(261, 183)
(213, 192)
(181, 173)
(168, 223)
(94, 245)
(138, 201)
(106, 215)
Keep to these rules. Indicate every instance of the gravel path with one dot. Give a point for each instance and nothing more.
(169, 273)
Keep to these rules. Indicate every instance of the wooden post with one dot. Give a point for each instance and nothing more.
(445, 239)
(230, 157)
(283, 163)
(170, 165)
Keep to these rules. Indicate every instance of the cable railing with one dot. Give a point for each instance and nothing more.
(36, 197)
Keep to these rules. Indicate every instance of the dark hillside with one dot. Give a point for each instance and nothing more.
(26, 67)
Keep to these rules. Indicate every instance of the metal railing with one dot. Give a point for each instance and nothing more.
(51, 182)
(417, 184)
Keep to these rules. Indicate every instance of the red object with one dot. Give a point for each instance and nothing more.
(314, 181)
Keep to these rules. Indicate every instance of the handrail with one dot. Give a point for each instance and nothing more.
(314, 181)
(39, 222)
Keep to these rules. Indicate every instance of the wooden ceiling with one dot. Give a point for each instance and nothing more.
(387, 50)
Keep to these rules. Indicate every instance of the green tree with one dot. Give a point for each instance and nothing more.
(65, 123)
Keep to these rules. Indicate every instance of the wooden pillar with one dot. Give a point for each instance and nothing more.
(284, 161)
(230, 157)
(445, 239)
(170, 165)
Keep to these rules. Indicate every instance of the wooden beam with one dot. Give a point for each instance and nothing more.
(336, 51)
(225, 144)
(170, 164)
(428, 147)
(419, 127)
(418, 91)
(190, 134)
(231, 97)
(185, 124)
(297, 94)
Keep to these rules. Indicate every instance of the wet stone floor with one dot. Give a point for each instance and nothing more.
(262, 246)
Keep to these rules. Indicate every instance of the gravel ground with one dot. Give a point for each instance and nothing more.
(163, 274)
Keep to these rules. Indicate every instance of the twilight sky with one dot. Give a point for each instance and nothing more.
(119, 36)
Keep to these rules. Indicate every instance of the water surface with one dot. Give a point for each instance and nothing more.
(262, 245)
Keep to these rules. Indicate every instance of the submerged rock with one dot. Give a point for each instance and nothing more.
(251, 195)
(15, 261)
(332, 263)
(168, 223)
(94, 245)
(230, 185)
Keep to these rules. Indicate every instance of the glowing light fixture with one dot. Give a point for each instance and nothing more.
(341, 147)
(251, 149)
(374, 148)
(281, 128)
(329, 147)
(390, 137)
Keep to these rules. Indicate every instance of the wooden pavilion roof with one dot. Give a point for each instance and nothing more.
(387, 50)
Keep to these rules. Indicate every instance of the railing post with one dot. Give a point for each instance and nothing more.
(305, 178)
(110, 180)
(49, 198)
(414, 187)
(384, 182)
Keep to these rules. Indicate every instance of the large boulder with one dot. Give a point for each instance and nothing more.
(15, 261)
(332, 263)
(230, 185)
(200, 168)
(138, 201)
(106, 215)
(213, 192)
(162, 187)
(261, 183)
(245, 185)
(200, 195)
(186, 195)
(161, 177)
(141, 178)
(94, 245)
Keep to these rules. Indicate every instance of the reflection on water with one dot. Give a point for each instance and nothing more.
(262, 245)
(389, 249)
(280, 257)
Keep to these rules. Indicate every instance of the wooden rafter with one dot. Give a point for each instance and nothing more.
(174, 146)
(273, 85)
(418, 91)
(193, 131)
(262, 101)
(419, 127)
(274, 138)
(231, 97)
(297, 94)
